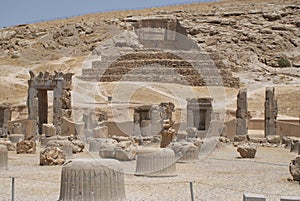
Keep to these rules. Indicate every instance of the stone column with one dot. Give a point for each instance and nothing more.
(271, 111)
(241, 113)
(57, 104)
(156, 124)
(190, 118)
(32, 101)
(136, 124)
(208, 118)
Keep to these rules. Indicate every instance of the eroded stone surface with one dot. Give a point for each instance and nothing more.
(247, 150)
(52, 156)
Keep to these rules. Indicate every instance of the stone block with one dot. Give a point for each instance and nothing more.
(28, 128)
(253, 197)
(26, 147)
(247, 150)
(290, 198)
(17, 128)
(52, 156)
(49, 130)
(9, 145)
(15, 138)
(100, 132)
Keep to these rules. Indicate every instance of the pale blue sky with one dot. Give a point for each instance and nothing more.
(13, 12)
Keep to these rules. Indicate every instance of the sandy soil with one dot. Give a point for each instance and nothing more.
(220, 176)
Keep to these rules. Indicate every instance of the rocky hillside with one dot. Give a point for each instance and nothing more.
(258, 41)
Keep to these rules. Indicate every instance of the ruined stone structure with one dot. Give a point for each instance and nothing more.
(37, 100)
(92, 179)
(241, 113)
(271, 111)
(3, 157)
(199, 113)
(149, 119)
(156, 163)
(5, 116)
(157, 50)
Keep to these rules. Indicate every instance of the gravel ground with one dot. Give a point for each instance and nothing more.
(220, 176)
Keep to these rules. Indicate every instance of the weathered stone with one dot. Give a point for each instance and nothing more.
(49, 130)
(15, 138)
(274, 139)
(295, 168)
(240, 138)
(253, 197)
(247, 150)
(185, 151)
(27, 127)
(17, 128)
(100, 132)
(26, 147)
(94, 179)
(167, 136)
(64, 145)
(161, 162)
(3, 133)
(181, 136)
(38, 85)
(9, 145)
(3, 157)
(52, 155)
(199, 112)
(241, 113)
(290, 198)
(191, 132)
(271, 111)
(78, 146)
(122, 150)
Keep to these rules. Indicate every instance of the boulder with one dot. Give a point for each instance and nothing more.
(247, 150)
(26, 147)
(295, 168)
(52, 156)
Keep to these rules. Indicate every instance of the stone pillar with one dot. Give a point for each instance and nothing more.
(32, 101)
(3, 157)
(156, 124)
(208, 118)
(136, 124)
(271, 111)
(57, 104)
(190, 118)
(5, 116)
(241, 113)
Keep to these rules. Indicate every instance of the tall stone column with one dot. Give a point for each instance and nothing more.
(57, 104)
(156, 124)
(190, 118)
(241, 113)
(32, 101)
(271, 111)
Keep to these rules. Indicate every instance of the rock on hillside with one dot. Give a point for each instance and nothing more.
(243, 35)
